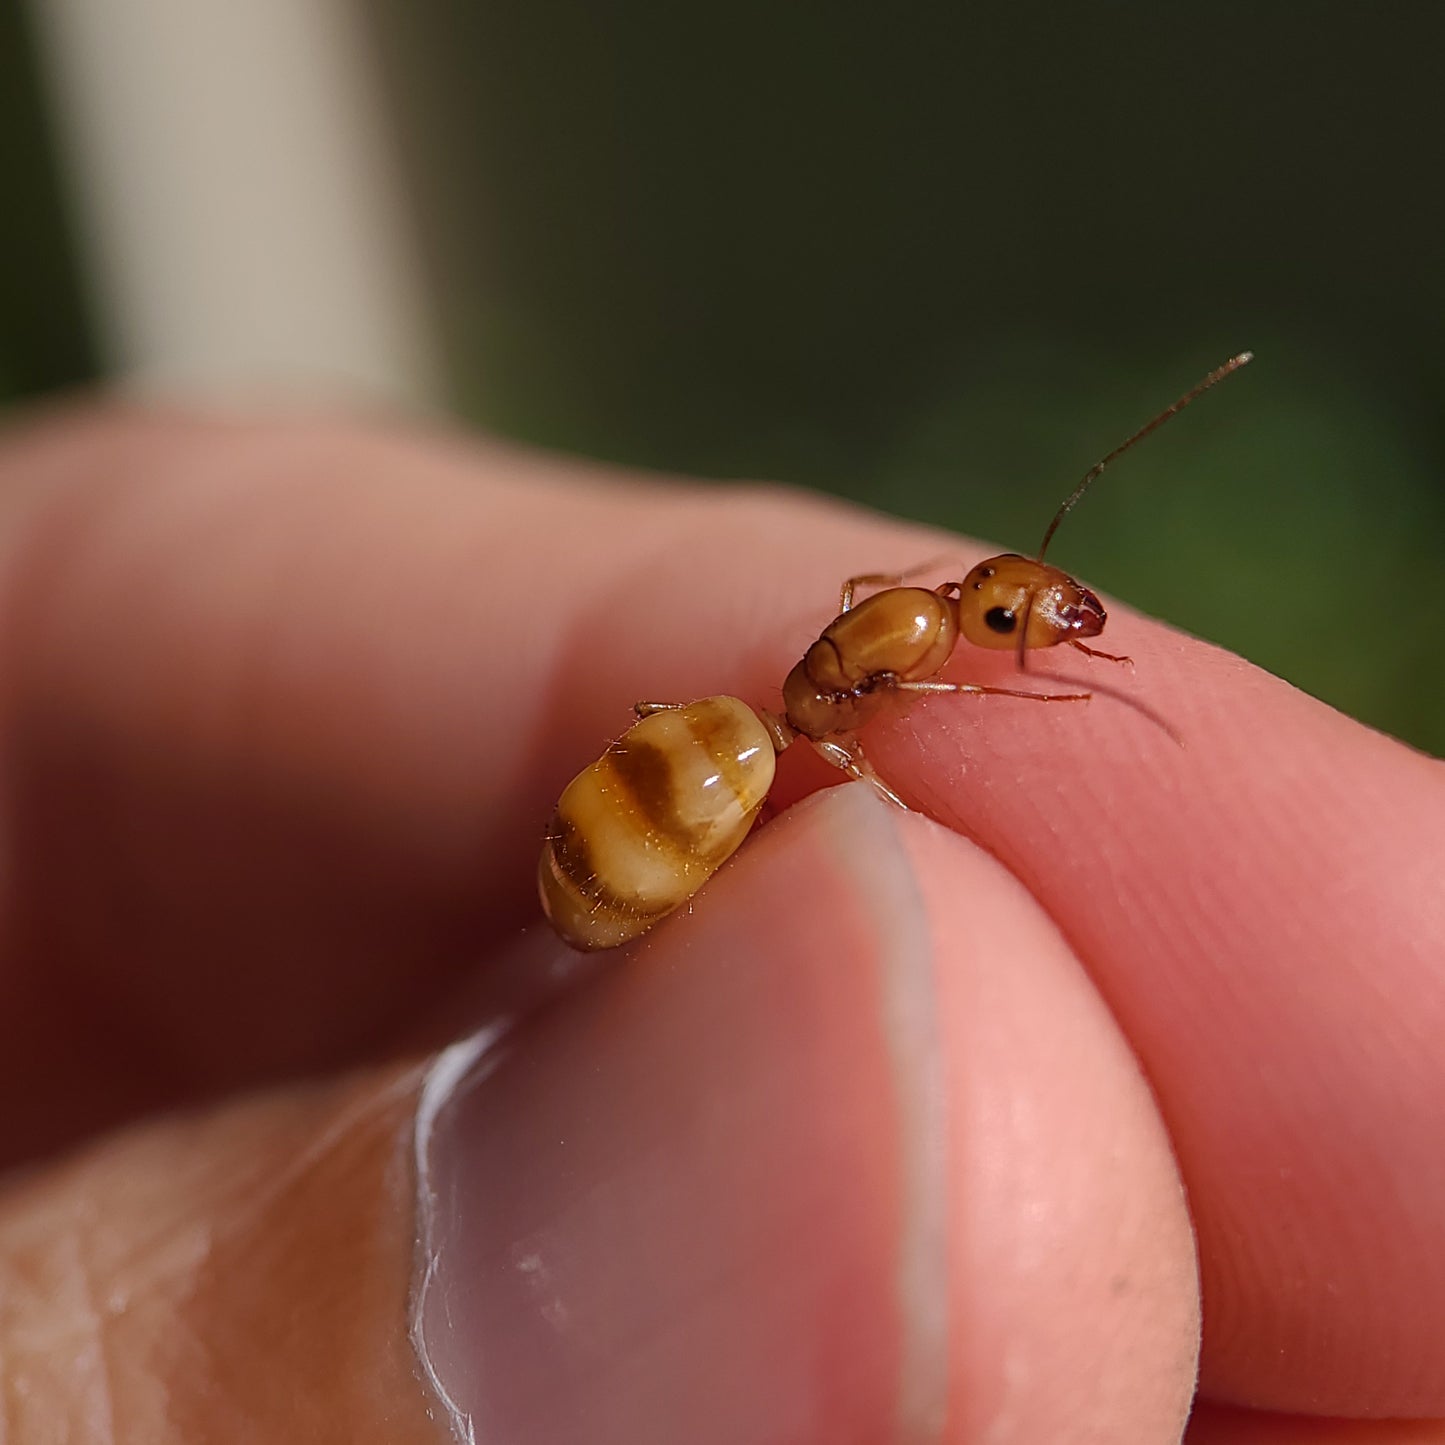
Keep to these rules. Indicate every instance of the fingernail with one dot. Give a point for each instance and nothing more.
(702, 1199)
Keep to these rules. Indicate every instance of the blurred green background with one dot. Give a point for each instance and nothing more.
(45, 339)
(939, 259)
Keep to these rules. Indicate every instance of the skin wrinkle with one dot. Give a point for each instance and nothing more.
(82, 1340)
(119, 1288)
(266, 1191)
(334, 1359)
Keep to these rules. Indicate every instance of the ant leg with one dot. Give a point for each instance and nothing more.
(1103, 656)
(865, 579)
(778, 730)
(887, 579)
(852, 762)
(646, 709)
(978, 688)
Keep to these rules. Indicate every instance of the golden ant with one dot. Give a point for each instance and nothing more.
(638, 832)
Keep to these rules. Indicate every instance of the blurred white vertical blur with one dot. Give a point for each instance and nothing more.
(239, 195)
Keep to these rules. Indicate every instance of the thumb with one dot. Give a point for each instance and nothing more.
(850, 1151)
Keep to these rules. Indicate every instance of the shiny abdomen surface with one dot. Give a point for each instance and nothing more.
(638, 832)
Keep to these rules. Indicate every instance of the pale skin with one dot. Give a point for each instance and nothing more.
(276, 774)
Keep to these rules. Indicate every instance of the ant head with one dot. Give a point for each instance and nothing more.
(1009, 592)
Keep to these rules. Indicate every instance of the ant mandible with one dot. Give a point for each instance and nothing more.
(638, 832)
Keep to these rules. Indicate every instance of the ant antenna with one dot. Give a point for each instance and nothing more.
(1213, 379)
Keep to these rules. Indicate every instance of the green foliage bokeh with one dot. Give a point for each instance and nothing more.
(940, 258)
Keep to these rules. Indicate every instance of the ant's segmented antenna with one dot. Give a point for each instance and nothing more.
(1213, 379)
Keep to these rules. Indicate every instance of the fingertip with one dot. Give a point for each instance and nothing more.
(850, 1144)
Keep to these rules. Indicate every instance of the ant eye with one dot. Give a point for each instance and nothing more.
(1001, 619)
(986, 571)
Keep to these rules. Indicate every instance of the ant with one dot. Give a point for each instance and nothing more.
(639, 831)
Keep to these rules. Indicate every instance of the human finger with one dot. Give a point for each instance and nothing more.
(857, 1172)
(1256, 906)
(285, 708)
(879, 1166)
(1259, 909)
(236, 1275)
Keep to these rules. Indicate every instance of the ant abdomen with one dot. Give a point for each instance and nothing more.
(637, 833)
